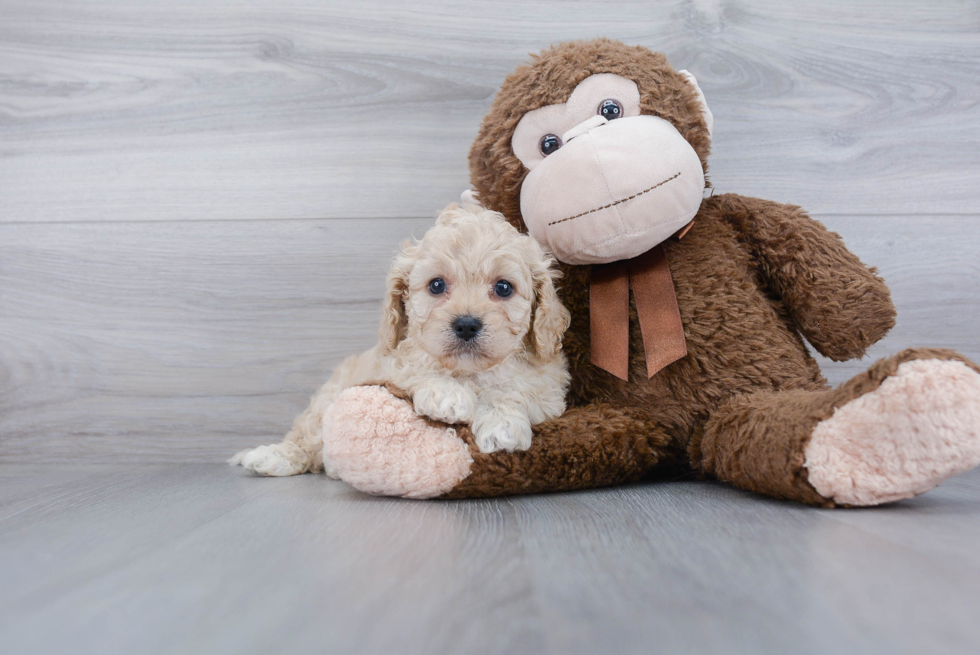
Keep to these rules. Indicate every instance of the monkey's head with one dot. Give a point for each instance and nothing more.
(597, 149)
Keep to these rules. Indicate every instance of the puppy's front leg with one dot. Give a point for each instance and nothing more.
(445, 399)
(501, 426)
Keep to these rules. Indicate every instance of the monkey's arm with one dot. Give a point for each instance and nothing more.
(378, 444)
(841, 306)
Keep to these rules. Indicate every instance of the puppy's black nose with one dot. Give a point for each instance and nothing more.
(467, 327)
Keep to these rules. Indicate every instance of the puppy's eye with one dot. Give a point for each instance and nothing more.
(610, 109)
(503, 289)
(549, 144)
(437, 286)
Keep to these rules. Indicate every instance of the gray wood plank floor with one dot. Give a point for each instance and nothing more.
(198, 200)
(149, 342)
(313, 109)
(204, 559)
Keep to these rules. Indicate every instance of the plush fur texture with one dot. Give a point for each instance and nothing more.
(495, 171)
(406, 455)
(510, 376)
(753, 279)
(920, 427)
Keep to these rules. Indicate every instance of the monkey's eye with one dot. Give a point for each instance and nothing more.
(503, 289)
(610, 109)
(549, 144)
(437, 286)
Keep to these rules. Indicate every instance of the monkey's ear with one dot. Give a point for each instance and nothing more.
(708, 118)
(394, 319)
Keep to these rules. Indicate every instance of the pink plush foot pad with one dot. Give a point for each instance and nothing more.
(920, 427)
(376, 443)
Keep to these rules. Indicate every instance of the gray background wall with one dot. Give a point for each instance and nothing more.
(198, 199)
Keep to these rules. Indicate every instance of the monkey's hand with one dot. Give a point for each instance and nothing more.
(840, 305)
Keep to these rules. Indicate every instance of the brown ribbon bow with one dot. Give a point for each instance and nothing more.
(656, 308)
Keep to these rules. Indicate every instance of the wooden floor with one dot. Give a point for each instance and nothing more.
(204, 559)
(199, 199)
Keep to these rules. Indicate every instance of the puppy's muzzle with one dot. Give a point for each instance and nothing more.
(466, 328)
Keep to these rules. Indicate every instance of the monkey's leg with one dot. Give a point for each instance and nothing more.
(378, 444)
(896, 430)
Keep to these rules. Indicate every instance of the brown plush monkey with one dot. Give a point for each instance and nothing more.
(599, 150)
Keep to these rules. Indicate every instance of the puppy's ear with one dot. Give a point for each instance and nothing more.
(549, 318)
(394, 319)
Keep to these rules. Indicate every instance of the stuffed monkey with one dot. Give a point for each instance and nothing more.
(689, 314)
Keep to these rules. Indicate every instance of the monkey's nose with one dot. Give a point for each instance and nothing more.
(583, 127)
(467, 327)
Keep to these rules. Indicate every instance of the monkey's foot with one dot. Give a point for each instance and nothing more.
(378, 444)
(918, 428)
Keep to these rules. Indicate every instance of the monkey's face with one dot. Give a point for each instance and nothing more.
(596, 148)
(606, 183)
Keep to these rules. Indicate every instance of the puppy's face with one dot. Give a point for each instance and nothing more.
(471, 289)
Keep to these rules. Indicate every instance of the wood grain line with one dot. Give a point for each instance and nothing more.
(144, 342)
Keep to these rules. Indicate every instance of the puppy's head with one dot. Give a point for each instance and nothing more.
(472, 292)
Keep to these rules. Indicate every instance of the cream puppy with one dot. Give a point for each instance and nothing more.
(471, 328)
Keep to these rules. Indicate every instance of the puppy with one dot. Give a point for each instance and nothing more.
(471, 328)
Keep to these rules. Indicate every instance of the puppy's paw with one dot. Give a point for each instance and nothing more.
(445, 400)
(494, 430)
(273, 461)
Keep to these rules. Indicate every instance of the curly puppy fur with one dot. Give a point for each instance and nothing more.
(508, 377)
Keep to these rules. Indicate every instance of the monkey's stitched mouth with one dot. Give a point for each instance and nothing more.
(618, 202)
